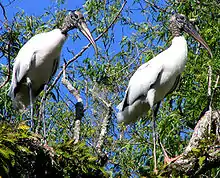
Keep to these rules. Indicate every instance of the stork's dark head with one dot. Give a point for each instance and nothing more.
(179, 23)
(75, 19)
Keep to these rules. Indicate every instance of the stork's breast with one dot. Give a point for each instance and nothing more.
(41, 68)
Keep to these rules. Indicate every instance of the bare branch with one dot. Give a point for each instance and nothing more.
(215, 88)
(217, 120)
(199, 133)
(107, 105)
(4, 12)
(104, 129)
(78, 106)
(86, 92)
(199, 156)
(210, 95)
(191, 165)
(8, 76)
(69, 86)
(154, 6)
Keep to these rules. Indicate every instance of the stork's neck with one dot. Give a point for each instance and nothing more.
(178, 52)
(64, 29)
(179, 42)
(67, 25)
(175, 30)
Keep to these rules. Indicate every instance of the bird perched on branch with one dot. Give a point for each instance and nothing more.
(38, 60)
(158, 77)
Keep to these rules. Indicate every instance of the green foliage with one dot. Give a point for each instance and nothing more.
(23, 155)
(139, 33)
(77, 160)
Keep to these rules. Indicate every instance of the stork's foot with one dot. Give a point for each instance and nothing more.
(155, 171)
(168, 160)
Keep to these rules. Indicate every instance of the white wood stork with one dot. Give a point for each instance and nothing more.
(158, 77)
(38, 60)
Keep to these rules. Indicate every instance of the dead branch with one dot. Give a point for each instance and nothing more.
(106, 104)
(104, 127)
(209, 96)
(202, 152)
(103, 132)
(193, 166)
(79, 105)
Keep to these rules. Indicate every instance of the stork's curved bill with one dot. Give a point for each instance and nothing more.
(85, 30)
(188, 27)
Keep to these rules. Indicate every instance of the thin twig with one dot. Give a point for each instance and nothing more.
(10, 2)
(85, 48)
(213, 95)
(86, 92)
(69, 86)
(9, 62)
(107, 105)
(153, 5)
(4, 12)
(215, 88)
(209, 96)
(9, 47)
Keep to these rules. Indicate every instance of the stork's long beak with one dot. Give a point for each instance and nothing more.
(188, 27)
(85, 30)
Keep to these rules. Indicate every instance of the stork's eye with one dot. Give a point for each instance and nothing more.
(181, 17)
(76, 16)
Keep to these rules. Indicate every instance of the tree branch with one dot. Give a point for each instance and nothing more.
(4, 12)
(103, 130)
(154, 6)
(202, 152)
(79, 105)
(9, 61)
(210, 96)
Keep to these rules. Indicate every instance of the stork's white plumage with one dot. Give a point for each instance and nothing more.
(152, 81)
(158, 77)
(38, 59)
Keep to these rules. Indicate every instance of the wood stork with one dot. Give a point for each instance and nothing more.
(38, 60)
(158, 77)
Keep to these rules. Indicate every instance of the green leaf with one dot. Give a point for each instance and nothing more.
(201, 160)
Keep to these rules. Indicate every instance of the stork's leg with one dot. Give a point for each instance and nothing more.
(29, 83)
(154, 141)
(154, 114)
(42, 112)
